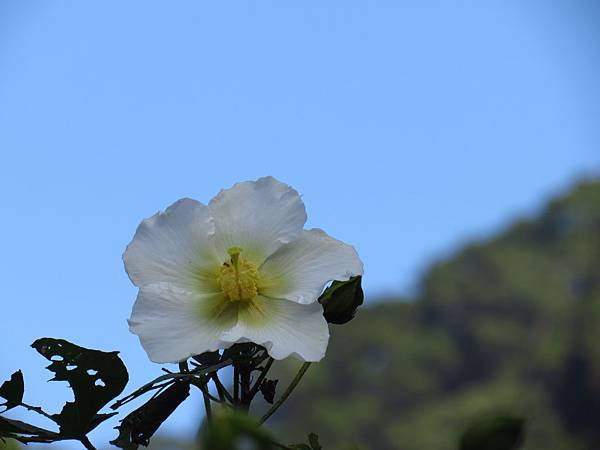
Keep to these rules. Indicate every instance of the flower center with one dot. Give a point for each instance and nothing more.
(238, 277)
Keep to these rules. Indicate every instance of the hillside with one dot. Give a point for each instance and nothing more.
(507, 325)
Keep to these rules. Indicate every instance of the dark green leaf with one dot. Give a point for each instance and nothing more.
(341, 299)
(230, 430)
(267, 389)
(95, 377)
(24, 432)
(246, 352)
(494, 433)
(208, 358)
(12, 390)
(139, 426)
(313, 440)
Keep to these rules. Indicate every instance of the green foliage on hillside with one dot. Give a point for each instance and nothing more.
(9, 444)
(507, 326)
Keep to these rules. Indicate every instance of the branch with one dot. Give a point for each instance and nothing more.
(86, 443)
(261, 378)
(222, 390)
(287, 392)
(171, 377)
(38, 410)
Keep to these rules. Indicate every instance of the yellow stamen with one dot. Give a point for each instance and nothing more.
(238, 277)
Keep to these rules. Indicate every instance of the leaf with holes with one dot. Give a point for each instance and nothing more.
(95, 377)
(12, 391)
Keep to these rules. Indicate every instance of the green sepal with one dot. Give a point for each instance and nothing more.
(341, 300)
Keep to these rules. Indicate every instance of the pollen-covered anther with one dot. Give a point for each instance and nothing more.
(238, 277)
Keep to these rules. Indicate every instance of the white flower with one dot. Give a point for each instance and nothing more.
(241, 269)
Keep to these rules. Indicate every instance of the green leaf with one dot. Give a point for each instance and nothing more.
(245, 353)
(95, 377)
(231, 430)
(24, 432)
(12, 390)
(341, 299)
(494, 433)
(208, 358)
(140, 425)
(267, 389)
(313, 440)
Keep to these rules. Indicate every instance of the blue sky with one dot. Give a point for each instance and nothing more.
(409, 127)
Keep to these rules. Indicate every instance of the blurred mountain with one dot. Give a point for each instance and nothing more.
(506, 326)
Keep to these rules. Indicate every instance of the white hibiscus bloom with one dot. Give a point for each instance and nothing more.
(241, 269)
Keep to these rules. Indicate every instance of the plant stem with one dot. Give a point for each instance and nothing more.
(207, 406)
(169, 376)
(37, 409)
(204, 388)
(86, 443)
(261, 378)
(236, 385)
(287, 392)
(222, 391)
(245, 381)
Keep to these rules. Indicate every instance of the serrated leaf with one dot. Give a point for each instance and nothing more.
(341, 299)
(140, 425)
(95, 377)
(494, 433)
(12, 390)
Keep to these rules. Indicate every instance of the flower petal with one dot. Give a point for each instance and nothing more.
(284, 328)
(170, 326)
(174, 246)
(257, 216)
(299, 271)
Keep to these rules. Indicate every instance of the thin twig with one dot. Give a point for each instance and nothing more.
(162, 388)
(287, 392)
(183, 367)
(86, 443)
(261, 378)
(38, 410)
(236, 384)
(222, 390)
(204, 388)
(245, 382)
(170, 376)
(207, 406)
